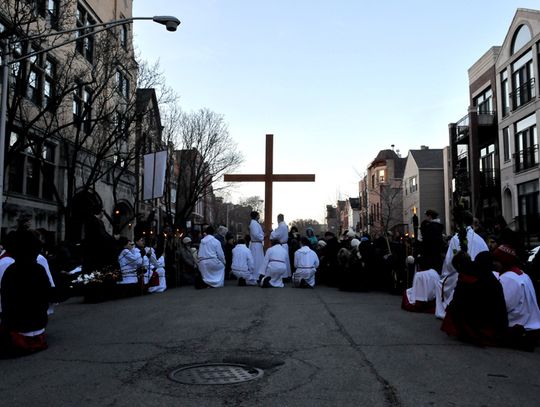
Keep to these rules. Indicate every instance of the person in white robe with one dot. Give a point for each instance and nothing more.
(129, 260)
(306, 262)
(243, 266)
(41, 260)
(274, 267)
(256, 241)
(518, 289)
(5, 261)
(211, 260)
(281, 233)
(158, 266)
(421, 296)
(449, 276)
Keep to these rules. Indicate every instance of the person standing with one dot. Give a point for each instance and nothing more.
(281, 233)
(243, 266)
(432, 240)
(130, 260)
(256, 241)
(465, 240)
(306, 262)
(211, 261)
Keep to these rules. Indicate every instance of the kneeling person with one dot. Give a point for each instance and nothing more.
(421, 296)
(243, 266)
(306, 262)
(211, 261)
(274, 267)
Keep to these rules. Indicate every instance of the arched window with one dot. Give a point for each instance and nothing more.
(521, 37)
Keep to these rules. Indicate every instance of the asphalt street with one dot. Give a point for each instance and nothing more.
(318, 347)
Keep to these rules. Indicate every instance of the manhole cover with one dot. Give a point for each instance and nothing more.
(215, 373)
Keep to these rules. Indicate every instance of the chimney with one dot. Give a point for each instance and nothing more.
(424, 147)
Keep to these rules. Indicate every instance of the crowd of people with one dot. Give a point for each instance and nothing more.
(476, 284)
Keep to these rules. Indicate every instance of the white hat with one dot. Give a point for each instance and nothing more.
(350, 233)
(355, 243)
(321, 243)
(186, 240)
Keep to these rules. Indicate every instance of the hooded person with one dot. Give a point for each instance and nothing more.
(520, 298)
(306, 262)
(310, 234)
(211, 261)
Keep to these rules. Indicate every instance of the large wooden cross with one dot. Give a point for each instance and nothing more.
(269, 178)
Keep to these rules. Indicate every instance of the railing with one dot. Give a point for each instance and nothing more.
(523, 95)
(462, 127)
(486, 118)
(525, 159)
(488, 179)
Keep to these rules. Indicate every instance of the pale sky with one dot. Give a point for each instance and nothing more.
(334, 81)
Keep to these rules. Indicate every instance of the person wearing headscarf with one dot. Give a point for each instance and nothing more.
(520, 299)
(311, 236)
(465, 240)
(306, 262)
(477, 312)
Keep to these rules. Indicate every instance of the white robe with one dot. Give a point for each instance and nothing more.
(158, 265)
(423, 287)
(281, 233)
(449, 275)
(306, 262)
(274, 265)
(5, 262)
(243, 265)
(42, 261)
(212, 261)
(520, 298)
(129, 260)
(256, 244)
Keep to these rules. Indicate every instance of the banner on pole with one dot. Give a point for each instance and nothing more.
(155, 165)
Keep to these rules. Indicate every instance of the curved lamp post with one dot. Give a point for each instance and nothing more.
(170, 22)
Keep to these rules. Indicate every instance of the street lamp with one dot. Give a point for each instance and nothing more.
(170, 22)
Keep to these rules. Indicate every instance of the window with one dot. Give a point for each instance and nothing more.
(528, 206)
(49, 82)
(522, 81)
(85, 46)
(526, 144)
(521, 37)
(32, 174)
(506, 144)
(381, 176)
(412, 184)
(124, 35)
(484, 102)
(82, 106)
(505, 100)
(487, 166)
(122, 83)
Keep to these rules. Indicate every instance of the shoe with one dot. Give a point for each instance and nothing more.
(241, 282)
(260, 278)
(266, 282)
(304, 284)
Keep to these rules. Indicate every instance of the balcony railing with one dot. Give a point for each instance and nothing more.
(488, 179)
(523, 95)
(486, 118)
(525, 159)
(462, 127)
